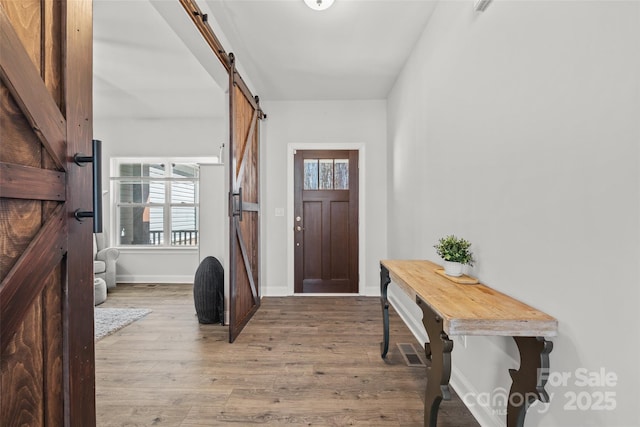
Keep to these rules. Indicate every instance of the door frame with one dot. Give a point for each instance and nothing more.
(291, 148)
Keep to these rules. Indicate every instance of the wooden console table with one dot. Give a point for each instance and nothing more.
(454, 309)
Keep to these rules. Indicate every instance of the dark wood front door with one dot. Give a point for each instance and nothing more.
(326, 221)
(46, 277)
(244, 227)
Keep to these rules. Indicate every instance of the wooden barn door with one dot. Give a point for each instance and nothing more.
(244, 231)
(46, 278)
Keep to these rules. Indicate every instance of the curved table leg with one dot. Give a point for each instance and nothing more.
(528, 381)
(438, 374)
(384, 284)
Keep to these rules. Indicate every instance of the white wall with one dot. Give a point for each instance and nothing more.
(518, 129)
(214, 220)
(320, 122)
(197, 137)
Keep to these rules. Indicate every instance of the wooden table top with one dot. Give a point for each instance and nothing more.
(469, 309)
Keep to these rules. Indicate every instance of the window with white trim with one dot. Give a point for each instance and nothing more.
(156, 202)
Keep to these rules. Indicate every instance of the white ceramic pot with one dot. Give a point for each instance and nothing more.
(453, 268)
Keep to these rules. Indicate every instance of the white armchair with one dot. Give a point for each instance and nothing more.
(104, 260)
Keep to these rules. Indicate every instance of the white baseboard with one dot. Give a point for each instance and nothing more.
(284, 291)
(372, 291)
(128, 278)
(275, 291)
(483, 414)
(460, 383)
(415, 325)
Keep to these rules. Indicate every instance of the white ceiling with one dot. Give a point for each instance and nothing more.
(143, 69)
(353, 50)
(150, 62)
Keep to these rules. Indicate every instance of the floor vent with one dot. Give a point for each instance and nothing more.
(410, 355)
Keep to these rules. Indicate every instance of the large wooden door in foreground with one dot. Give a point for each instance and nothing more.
(244, 206)
(46, 277)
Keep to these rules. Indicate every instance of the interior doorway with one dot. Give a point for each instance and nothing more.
(159, 93)
(326, 221)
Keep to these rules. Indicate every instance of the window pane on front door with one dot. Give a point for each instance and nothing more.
(310, 174)
(326, 174)
(341, 174)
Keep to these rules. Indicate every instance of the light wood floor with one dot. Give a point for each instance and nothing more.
(312, 361)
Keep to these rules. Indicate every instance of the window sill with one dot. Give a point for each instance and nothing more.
(152, 249)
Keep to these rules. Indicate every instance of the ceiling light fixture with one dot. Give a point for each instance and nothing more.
(319, 4)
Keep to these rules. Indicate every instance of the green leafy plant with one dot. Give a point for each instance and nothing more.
(454, 249)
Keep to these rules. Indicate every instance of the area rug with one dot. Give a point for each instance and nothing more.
(110, 320)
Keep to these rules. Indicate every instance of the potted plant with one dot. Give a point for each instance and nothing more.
(455, 253)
